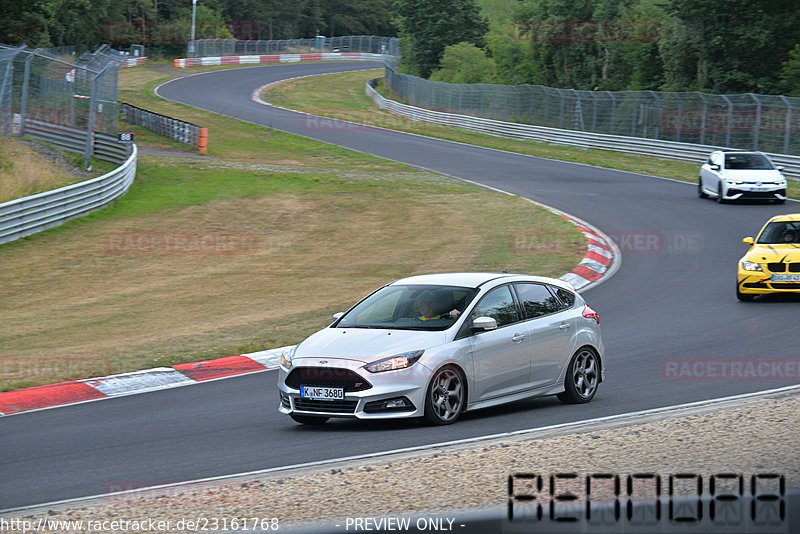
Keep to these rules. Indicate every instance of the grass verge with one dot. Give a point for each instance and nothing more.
(250, 247)
(25, 171)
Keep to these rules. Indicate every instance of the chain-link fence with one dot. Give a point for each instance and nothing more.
(55, 87)
(743, 121)
(351, 43)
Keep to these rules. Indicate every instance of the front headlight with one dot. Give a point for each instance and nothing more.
(750, 266)
(286, 357)
(400, 361)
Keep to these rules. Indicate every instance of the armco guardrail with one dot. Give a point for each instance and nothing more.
(633, 145)
(29, 215)
(275, 58)
(103, 146)
(176, 129)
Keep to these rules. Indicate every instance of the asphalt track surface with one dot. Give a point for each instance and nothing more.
(671, 300)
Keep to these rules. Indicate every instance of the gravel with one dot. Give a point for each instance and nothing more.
(757, 436)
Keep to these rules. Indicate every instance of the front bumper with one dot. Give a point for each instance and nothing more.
(739, 192)
(761, 283)
(409, 384)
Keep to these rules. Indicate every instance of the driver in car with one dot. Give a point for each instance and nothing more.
(428, 310)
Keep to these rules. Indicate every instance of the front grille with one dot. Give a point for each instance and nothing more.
(337, 406)
(327, 377)
(756, 194)
(777, 267)
(794, 267)
(785, 285)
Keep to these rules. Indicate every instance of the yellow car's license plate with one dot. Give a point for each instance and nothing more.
(786, 277)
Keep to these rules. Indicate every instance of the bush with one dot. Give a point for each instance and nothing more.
(465, 63)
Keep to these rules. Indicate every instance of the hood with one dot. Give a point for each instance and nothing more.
(365, 344)
(761, 253)
(753, 175)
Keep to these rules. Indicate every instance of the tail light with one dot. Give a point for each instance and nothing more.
(591, 314)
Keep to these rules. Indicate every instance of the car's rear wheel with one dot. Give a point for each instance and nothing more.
(744, 297)
(309, 419)
(583, 377)
(446, 396)
(700, 192)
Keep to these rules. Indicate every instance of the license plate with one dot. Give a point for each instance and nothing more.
(786, 277)
(317, 393)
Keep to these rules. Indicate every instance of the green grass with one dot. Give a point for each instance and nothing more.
(330, 226)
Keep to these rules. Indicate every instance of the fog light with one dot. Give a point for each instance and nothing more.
(395, 404)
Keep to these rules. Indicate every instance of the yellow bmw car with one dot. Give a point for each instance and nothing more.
(772, 265)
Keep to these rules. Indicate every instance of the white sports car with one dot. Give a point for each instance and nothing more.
(734, 175)
(434, 346)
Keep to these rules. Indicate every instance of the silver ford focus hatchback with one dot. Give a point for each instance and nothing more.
(434, 346)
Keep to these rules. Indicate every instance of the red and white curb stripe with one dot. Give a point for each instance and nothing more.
(51, 395)
(598, 259)
(274, 58)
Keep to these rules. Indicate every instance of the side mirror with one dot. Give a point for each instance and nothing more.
(482, 324)
(337, 315)
(780, 168)
(714, 167)
(747, 240)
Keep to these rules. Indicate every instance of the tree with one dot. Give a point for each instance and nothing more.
(427, 27)
(562, 41)
(80, 23)
(357, 17)
(790, 75)
(25, 21)
(740, 43)
(465, 63)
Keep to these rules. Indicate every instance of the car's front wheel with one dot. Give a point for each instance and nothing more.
(309, 419)
(583, 377)
(700, 192)
(446, 396)
(720, 199)
(744, 297)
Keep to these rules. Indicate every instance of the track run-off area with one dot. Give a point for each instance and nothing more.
(671, 303)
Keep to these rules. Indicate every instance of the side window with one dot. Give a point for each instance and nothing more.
(536, 300)
(499, 305)
(566, 297)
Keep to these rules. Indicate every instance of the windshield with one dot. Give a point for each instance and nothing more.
(777, 233)
(755, 162)
(412, 307)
